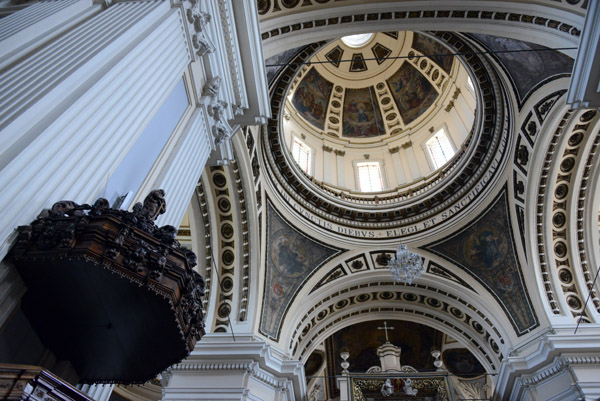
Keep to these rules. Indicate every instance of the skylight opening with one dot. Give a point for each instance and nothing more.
(440, 148)
(357, 40)
(369, 177)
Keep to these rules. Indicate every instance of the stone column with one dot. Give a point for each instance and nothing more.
(72, 108)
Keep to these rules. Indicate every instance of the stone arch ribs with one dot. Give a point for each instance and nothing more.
(375, 297)
(560, 208)
(303, 22)
(221, 195)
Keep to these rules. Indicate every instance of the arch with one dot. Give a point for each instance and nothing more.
(549, 22)
(372, 296)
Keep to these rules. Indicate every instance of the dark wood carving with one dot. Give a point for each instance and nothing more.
(110, 291)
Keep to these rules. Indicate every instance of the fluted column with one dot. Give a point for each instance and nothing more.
(71, 110)
(185, 166)
(38, 23)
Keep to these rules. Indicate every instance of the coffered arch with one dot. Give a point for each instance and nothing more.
(372, 295)
(288, 24)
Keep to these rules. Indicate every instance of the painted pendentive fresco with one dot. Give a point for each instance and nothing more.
(486, 250)
(311, 98)
(292, 258)
(412, 92)
(435, 51)
(362, 117)
(527, 64)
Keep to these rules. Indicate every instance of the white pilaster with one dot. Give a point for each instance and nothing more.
(180, 173)
(39, 23)
(559, 365)
(72, 110)
(242, 369)
(409, 155)
(341, 180)
(398, 169)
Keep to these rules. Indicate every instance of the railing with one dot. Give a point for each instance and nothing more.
(24, 382)
(392, 196)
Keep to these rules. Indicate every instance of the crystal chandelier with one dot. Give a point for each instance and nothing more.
(406, 266)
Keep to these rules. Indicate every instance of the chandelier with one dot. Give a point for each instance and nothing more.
(406, 266)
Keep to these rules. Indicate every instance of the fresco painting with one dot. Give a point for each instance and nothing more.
(527, 64)
(412, 92)
(311, 98)
(291, 259)
(362, 117)
(486, 250)
(434, 50)
(278, 61)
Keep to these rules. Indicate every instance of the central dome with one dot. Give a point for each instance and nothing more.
(396, 102)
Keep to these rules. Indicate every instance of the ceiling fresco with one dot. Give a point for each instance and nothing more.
(486, 250)
(311, 98)
(528, 64)
(412, 92)
(433, 50)
(292, 258)
(278, 61)
(362, 117)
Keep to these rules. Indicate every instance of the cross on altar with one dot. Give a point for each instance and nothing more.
(386, 328)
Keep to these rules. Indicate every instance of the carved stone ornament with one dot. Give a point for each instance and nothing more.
(197, 18)
(220, 133)
(115, 279)
(211, 88)
(202, 45)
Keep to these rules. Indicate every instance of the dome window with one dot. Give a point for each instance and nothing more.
(302, 153)
(369, 176)
(440, 148)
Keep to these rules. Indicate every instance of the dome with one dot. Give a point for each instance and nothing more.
(398, 103)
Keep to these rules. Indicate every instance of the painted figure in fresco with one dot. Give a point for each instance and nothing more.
(487, 248)
(311, 97)
(362, 113)
(289, 256)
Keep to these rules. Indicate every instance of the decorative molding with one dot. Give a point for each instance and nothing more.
(332, 309)
(394, 214)
(420, 15)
